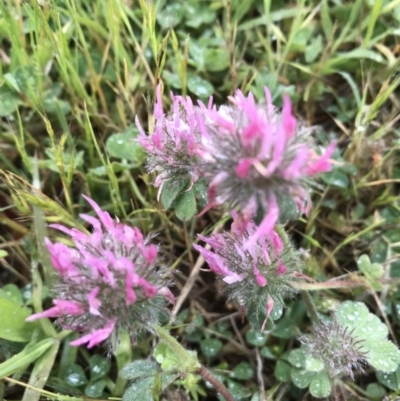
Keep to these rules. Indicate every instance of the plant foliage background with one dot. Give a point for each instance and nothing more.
(73, 76)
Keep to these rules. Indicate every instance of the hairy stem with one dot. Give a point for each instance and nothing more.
(327, 285)
(220, 387)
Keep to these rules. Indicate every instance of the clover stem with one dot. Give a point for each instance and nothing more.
(220, 387)
(327, 285)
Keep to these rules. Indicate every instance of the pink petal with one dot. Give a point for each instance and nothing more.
(94, 303)
(289, 121)
(69, 307)
(294, 170)
(150, 253)
(276, 242)
(72, 232)
(243, 167)
(261, 280)
(234, 278)
(266, 225)
(150, 290)
(166, 292)
(104, 217)
(277, 153)
(215, 262)
(158, 108)
(216, 241)
(322, 164)
(91, 220)
(268, 96)
(282, 269)
(61, 308)
(130, 281)
(269, 307)
(96, 336)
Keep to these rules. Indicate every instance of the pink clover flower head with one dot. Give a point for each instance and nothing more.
(173, 146)
(256, 272)
(253, 155)
(111, 280)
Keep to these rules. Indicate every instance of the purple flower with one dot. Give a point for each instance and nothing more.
(173, 146)
(252, 155)
(110, 281)
(256, 272)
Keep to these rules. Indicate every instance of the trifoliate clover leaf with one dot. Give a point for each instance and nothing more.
(309, 371)
(371, 334)
(166, 358)
(372, 272)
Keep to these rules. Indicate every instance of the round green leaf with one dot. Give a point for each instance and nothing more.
(356, 316)
(242, 371)
(139, 368)
(376, 392)
(301, 378)
(320, 386)
(383, 355)
(9, 101)
(185, 206)
(170, 16)
(75, 376)
(336, 178)
(171, 190)
(375, 270)
(238, 391)
(363, 262)
(390, 380)
(297, 358)
(12, 293)
(282, 371)
(13, 326)
(277, 311)
(210, 347)
(95, 389)
(313, 364)
(99, 366)
(265, 352)
(256, 338)
(199, 86)
(124, 145)
(216, 60)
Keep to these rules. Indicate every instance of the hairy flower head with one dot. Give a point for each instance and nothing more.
(253, 155)
(111, 280)
(256, 276)
(173, 146)
(337, 347)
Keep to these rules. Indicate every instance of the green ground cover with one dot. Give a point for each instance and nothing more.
(73, 76)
